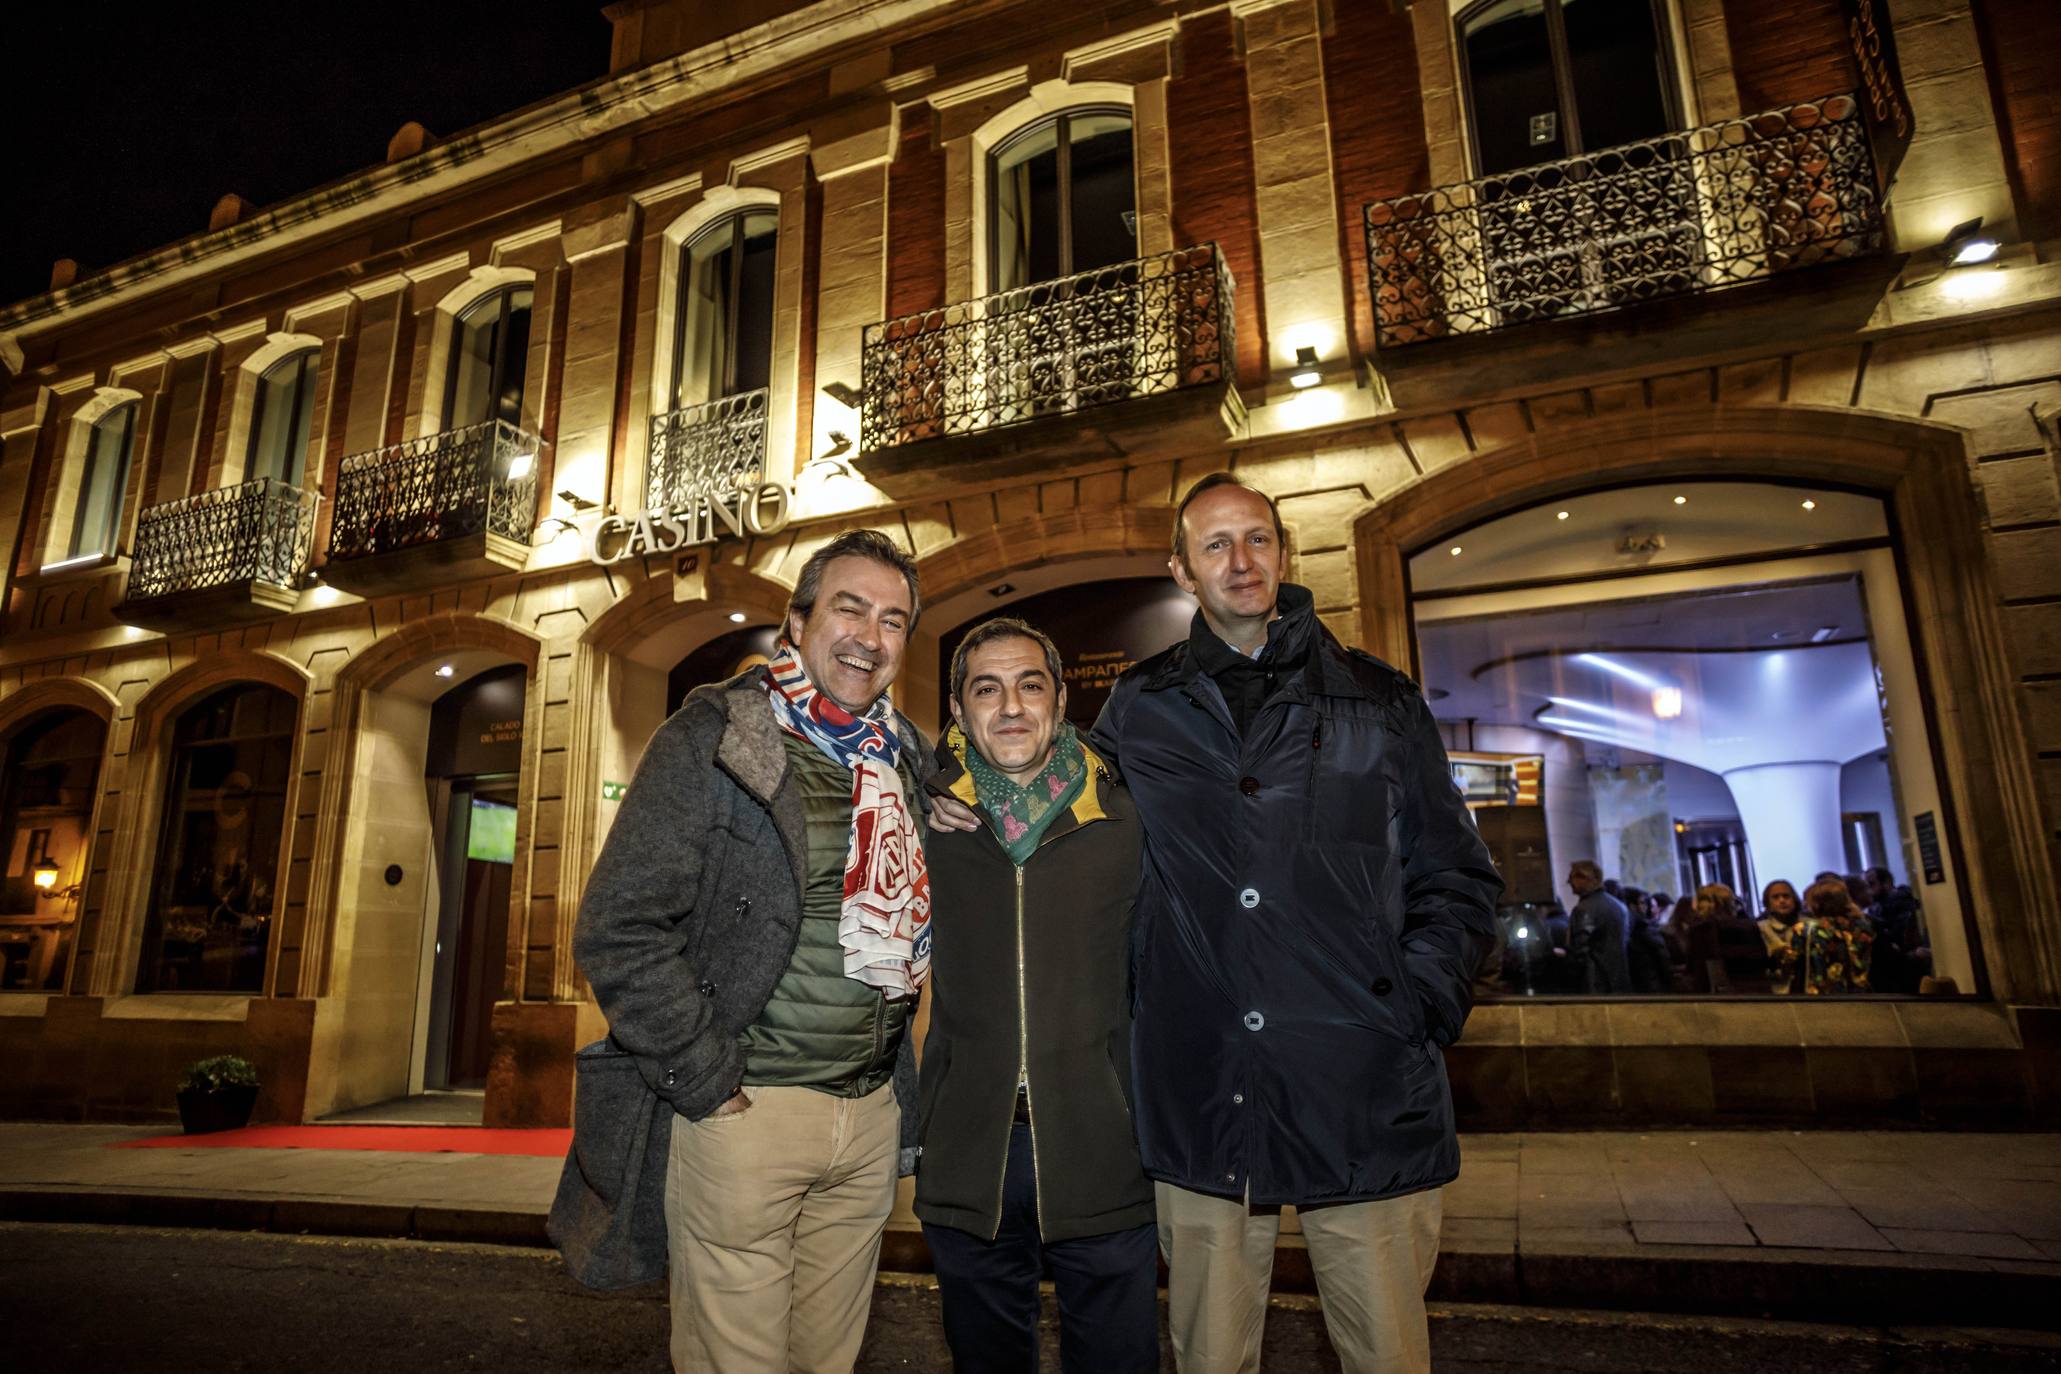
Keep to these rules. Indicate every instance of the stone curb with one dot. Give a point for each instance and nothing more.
(1838, 1286)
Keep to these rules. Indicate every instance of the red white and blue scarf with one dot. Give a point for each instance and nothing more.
(884, 925)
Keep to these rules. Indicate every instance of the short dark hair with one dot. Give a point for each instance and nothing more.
(1002, 627)
(1588, 868)
(1211, 483)
(854, 544)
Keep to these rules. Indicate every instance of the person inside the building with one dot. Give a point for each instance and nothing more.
(1726, 951)
(756, 930)
(1646, 956)
(1902, 956)
(1598, 932)
(1028, 1161)
(1831, 944)
(1780, 910)
(1315, 903)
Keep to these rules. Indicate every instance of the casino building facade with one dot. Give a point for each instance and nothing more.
(1671, 386)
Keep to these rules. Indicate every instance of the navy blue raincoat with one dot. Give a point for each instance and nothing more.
(1314, 903)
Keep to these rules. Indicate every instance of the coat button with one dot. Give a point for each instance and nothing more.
(1382, 987)
(672, 1078)
(1249, 786)
(705, 988)
(744, 906)
(1249, 898)
(1237, 1099)
(1253, 1020)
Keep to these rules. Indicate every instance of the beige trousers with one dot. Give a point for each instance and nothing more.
(773, 1218)
(1373, 1261)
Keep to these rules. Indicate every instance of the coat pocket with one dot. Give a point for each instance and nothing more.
(611, 1108)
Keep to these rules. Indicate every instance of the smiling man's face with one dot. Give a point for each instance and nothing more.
(1010, 707)
(1231, 561)
(854, 637)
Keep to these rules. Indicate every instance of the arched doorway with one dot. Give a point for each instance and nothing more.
(51, 777)
(431, 791)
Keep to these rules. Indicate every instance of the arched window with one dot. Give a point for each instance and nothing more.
(46, 816)
(1548, 79)
(97, 520)
(215, 889)
(490, 344)
(723, 340)
(279, 418)
(1063, 198)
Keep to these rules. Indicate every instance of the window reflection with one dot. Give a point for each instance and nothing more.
(279, 419)
(724, 344)
(1674, 731)
(46, 814)
(214, 890)
(103, 482)
(489, 352)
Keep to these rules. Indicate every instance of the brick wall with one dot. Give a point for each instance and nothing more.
(1210, 152)
(1377, 134)
(2019, 41)
(916, 219)
(1784, 51)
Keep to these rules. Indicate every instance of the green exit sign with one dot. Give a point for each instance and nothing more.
(613, 791)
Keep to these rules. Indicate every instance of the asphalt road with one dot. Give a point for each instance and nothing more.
(83, 1299)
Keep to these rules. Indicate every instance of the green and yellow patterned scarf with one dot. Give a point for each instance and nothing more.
(1021, 813)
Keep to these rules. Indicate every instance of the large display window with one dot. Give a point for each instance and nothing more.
(215, 889)
(1689, 724)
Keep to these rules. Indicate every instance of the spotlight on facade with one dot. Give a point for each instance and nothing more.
(737, 617)
(1966, 244)
(46, 874)
(1681, 500)
(576, 501)
(844, 393)
(1667, 703)
(1455, 551)
(1810, 505)
(520, 465)
(1560, 515)
(1305, 374)
(445, 670)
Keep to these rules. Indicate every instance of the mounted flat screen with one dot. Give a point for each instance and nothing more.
(492, 837)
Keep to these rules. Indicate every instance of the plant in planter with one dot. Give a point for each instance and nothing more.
(218, 1094)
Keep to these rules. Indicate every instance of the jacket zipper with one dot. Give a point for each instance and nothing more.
(1022, 1076)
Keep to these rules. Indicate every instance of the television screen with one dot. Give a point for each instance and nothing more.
(492, 837)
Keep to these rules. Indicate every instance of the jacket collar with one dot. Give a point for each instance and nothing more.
(751, 750)
(954, 779)
(1296, 633)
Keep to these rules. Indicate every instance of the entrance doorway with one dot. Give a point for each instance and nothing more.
(472, 772)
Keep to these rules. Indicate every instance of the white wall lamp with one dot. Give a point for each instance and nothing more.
(1306, 374)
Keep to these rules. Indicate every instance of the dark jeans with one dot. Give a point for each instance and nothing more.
(1107, 1286)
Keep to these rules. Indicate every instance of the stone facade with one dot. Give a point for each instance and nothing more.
(866, 125)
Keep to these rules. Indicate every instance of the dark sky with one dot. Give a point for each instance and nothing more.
(123, 125)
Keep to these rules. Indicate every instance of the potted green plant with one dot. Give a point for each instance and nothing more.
(218, 1094)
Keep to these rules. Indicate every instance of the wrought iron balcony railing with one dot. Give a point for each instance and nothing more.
(707, 450)
(262, 531)
(1695, 211)
(441, 486)
(1132, 329)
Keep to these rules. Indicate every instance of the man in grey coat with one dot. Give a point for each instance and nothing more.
(756, 930)
(1598, 931)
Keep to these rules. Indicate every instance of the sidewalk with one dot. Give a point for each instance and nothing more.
(1897, 1227)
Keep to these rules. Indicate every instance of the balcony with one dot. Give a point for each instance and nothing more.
(709, 450)
(1742, 201)
(229, 555)
(446, 506)
(1136, 355)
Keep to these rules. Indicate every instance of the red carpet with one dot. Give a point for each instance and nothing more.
(476, 1140)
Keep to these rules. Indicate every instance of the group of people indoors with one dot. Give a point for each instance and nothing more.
(1843, 934)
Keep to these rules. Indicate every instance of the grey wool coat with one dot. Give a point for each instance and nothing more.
(689, 918)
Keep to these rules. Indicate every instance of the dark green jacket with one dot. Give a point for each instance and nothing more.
(821, 1029)
(1045, 983)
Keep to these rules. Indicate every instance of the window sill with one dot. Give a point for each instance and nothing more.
(178, 1006)
(80, 569)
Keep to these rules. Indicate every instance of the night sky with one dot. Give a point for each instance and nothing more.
(132, 122)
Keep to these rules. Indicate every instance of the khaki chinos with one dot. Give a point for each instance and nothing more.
(1372, 1260)
(774, 1216)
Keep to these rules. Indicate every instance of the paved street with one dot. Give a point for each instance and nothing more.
(83, 1299)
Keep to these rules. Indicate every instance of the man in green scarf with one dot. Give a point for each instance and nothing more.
(1028, 1157)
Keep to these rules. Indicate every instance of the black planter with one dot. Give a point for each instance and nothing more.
(225, 1109)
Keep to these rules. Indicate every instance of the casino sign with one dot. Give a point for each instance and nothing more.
(761, 510)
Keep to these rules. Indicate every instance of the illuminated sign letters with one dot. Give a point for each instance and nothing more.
(762, 510)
